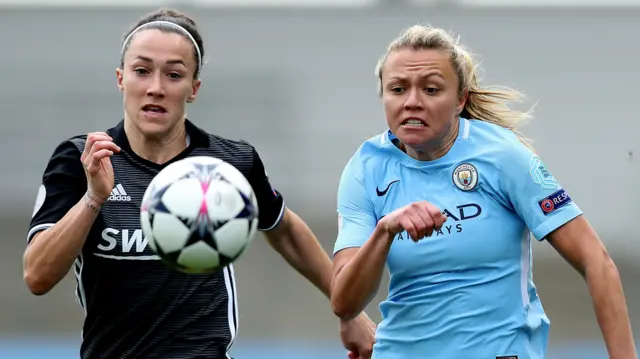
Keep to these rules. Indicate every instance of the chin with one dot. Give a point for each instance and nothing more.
(154, 126)
(414, 136)
(414, 140)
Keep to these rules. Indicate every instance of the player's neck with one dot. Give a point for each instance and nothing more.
(436, 149)
(157, 149)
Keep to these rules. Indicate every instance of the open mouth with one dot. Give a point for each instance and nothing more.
(154, 109)
(413, 122)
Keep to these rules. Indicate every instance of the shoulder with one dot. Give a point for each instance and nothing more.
(482, 133)
(239, 153)
(79, 141)
(503, 157)
(497, 144)
(218, 146)
(64, 162)
(225, 145)
(368, 155)
(229, 144)
(72, 146)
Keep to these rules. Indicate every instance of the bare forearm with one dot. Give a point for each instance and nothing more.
(300, 248)
(611, 309)
(50, 255)
(358, 280)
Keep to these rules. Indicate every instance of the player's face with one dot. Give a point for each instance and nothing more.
(420, 96)
(158, 80)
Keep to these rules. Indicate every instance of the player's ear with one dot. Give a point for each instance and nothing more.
(194, 90)
(462, 101)
(119, 74)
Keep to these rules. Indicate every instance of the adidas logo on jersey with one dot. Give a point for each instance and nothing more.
(118, 194)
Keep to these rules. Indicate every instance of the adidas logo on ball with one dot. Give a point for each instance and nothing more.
(118, 194)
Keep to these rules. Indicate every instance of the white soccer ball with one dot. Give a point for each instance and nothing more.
(199, 214)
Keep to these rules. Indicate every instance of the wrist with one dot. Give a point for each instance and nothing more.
(381, 233)
(348, 320)
(93, 201)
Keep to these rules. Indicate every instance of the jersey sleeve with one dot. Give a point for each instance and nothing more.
(63, 185)
(534, 193)
(356, 216)
(270, 202)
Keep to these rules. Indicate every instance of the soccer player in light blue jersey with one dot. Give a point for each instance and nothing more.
(449, 198)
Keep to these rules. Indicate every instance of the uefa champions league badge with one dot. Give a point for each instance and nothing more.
(465, 177)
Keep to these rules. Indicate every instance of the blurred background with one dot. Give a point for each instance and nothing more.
(295, 78)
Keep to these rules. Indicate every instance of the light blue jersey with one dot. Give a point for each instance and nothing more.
(466, 291)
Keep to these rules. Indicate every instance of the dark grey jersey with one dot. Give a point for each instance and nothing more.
(136, 306)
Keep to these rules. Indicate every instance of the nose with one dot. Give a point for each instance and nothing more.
(414, 100)
(156, 88)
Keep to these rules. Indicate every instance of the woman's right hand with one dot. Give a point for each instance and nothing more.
(419, 219)
(97, 165)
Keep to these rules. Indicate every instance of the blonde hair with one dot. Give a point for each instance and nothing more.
(489, 104)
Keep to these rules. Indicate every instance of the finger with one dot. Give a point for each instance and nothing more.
(408, 226)
(424, 223)
(94, 164)
(432, 216)
(425, 220)
(90, 149)
(420, 224)
(98, 134)
(101, 145)
(421, 219)
(429, 224)
(436, 215)
(94, 137)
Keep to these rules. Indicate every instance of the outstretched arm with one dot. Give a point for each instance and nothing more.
(550, 213)
(580, 246)
(290, 236)
(295, 242)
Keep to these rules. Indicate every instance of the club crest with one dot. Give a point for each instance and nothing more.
(465, 177)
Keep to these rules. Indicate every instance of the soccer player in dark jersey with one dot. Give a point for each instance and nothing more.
(87, 216)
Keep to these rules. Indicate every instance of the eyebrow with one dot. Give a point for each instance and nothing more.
(404, 78)
(169, 62)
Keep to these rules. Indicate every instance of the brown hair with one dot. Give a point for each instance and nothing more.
(176, 18)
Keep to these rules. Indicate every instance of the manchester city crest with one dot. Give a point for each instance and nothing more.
(465, 177)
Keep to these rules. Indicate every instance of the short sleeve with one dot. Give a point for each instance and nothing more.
(356, 216)
(270, 202)
(534, 193)
(63, 185)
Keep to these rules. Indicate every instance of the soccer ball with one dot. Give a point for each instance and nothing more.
(199, 214)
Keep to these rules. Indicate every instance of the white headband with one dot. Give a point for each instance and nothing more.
(168, 24)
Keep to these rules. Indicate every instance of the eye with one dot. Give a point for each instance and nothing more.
(174, 75)
(431, 90)
(397, 89)
(141, 71)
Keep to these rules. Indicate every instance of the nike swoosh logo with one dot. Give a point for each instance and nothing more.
(382, 193)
